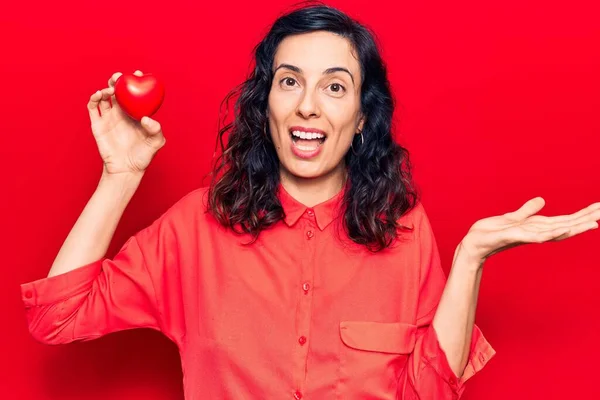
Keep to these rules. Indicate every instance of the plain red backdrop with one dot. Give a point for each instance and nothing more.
(498, 103)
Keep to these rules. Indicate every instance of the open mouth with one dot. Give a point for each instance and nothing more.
(307, 141)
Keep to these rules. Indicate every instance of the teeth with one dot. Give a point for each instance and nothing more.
(307, 135)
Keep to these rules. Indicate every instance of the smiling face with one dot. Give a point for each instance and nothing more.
(314, 104)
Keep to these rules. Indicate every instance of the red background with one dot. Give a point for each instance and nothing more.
(499, 104)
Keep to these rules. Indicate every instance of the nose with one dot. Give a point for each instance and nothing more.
(308, 107)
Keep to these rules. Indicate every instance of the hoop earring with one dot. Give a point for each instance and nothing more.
(362, 142)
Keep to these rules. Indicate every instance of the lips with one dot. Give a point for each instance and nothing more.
(306, 142)
(307, 135)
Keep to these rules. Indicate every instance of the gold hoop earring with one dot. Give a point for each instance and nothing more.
(362, 142)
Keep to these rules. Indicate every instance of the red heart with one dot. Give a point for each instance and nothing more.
(139, 96)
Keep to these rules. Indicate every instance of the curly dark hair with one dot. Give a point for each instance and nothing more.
(245, 177)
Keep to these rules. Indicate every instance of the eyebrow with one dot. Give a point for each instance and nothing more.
(328, 71)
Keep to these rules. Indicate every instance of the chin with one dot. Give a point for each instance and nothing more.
(305, 174)
(305, 171)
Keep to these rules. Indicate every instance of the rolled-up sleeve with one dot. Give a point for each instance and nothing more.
(428, 375)
(105, 296)
(111, 294)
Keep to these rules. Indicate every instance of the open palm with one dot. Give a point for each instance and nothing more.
(498, 233)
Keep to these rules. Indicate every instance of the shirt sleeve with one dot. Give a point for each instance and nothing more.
(105, 296)
(428, 374)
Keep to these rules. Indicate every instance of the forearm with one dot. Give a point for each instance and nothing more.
(455, 316)
(92, 233)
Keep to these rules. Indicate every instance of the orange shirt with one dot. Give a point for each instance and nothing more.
(303, 313)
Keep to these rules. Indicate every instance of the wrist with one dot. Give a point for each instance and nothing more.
(122, 184)
(467, 258)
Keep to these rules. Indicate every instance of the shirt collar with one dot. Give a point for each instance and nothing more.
(324, 212)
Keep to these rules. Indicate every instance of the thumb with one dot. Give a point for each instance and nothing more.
(151, 126)
(531, 207)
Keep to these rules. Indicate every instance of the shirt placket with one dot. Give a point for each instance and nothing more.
(309, 234)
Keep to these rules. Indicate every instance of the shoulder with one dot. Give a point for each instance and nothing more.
(414, 217)
(189, 206)
(192, 204)
(414, 226)
(185, 215)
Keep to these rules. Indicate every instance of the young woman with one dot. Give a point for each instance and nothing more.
(308, 269)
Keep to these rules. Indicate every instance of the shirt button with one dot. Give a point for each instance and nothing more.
(310, 213)
(306, 287)
(28, 294)
(310, 234)
(302, 340)
(297, 395)
(452, 381)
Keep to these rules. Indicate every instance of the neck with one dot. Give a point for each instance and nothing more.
(312, 191)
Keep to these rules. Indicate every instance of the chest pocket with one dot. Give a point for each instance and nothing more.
(372, 355)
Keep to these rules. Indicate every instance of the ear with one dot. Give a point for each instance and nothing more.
(361, 124)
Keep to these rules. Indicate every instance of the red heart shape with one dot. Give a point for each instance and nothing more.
(139, 96)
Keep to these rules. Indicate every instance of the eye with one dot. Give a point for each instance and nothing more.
(288, 82)
(337, 88)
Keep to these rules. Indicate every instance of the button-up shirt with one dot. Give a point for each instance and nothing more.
(301, 313)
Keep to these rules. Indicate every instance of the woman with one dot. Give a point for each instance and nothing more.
(314, 272)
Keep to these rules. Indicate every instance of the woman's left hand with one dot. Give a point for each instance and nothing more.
(495, 234)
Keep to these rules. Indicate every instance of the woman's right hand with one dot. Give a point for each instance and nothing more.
(125, 145)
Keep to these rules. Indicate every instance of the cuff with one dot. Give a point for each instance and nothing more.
(481, 352)
(53, 289)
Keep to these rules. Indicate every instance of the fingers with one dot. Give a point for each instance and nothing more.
(151, 126)
(538, 235)
(114, 77)
(103, 100)
(113, 80)
(588, 215)
(578, 226)
(582, 227)
(592, 215)
(154, 130)
(104, 104)
(574, 230)
(95, 98)
(554, 233)
(591, 209)
(99, 102)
